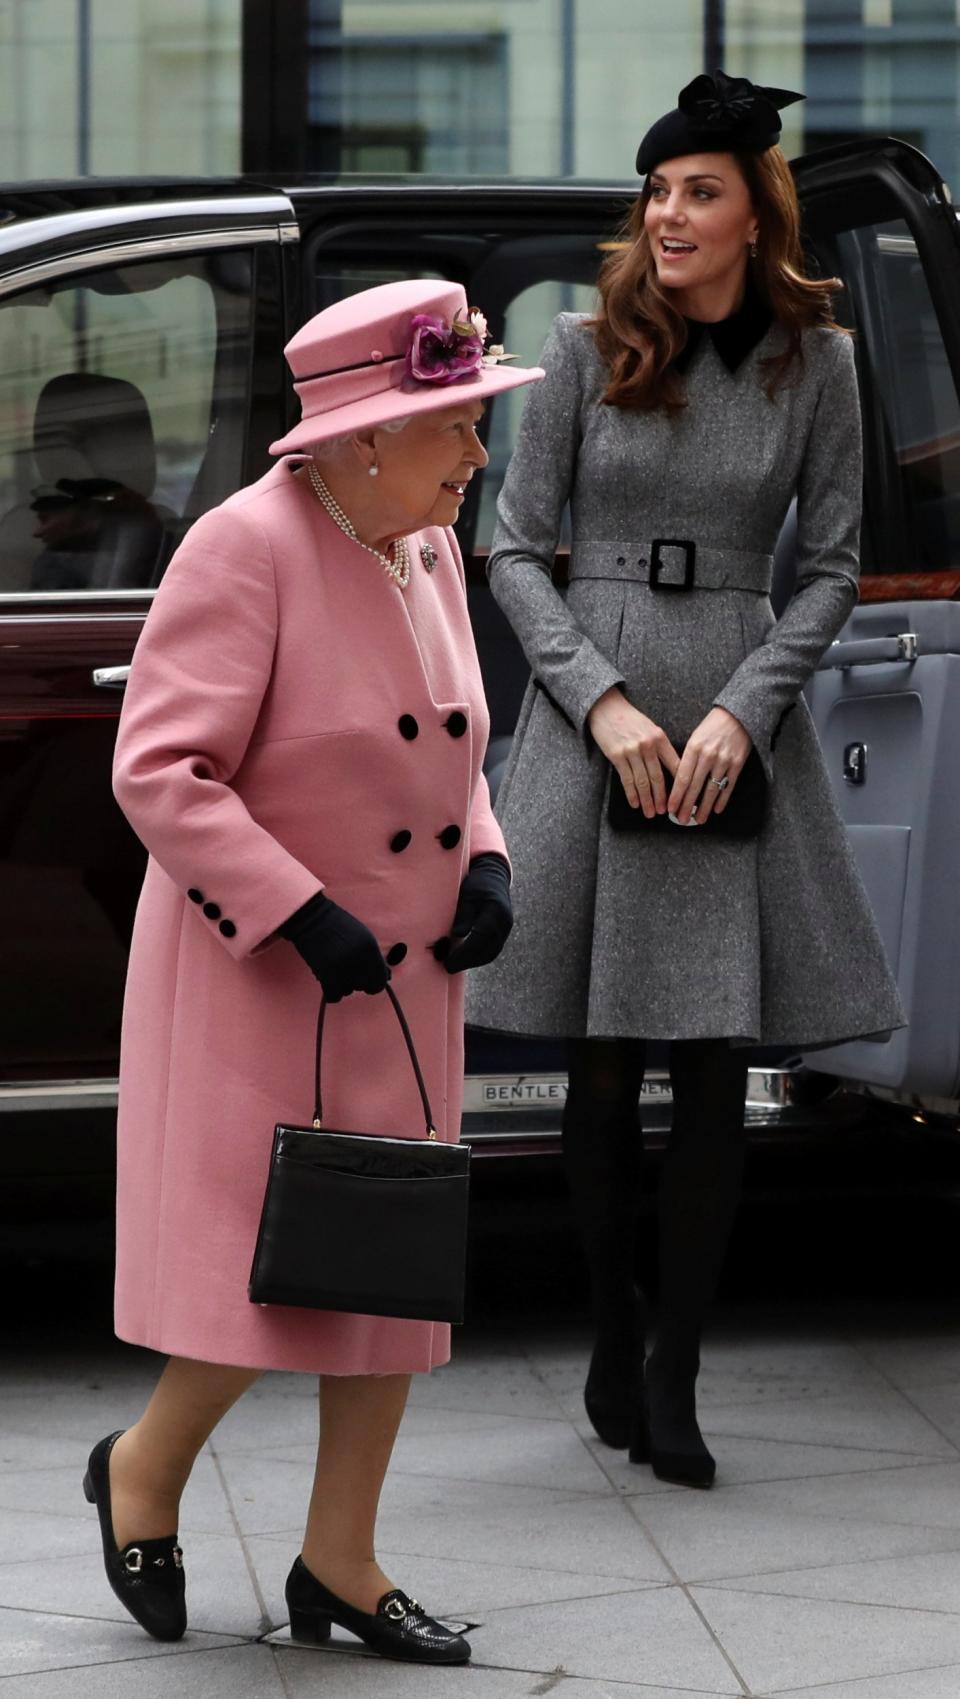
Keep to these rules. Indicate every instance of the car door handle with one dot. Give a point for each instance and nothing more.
(111, 678)
(871, 651)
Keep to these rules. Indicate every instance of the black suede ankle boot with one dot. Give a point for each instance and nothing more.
(665, 1432)
(616, 1372)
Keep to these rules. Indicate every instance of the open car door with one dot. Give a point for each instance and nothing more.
(886, 698)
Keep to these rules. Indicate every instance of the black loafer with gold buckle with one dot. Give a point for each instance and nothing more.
(400, 1628)
(147, 1575)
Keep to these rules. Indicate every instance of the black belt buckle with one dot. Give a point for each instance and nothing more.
(657, 564)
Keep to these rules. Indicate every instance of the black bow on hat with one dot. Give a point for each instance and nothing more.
(717, 114)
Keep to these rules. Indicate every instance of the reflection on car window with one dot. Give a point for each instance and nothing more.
(124, 399)
(334, 282)
(528, 318)
(520, 282)
(910, 389)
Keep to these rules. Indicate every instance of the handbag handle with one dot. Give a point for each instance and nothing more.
(404, 1028)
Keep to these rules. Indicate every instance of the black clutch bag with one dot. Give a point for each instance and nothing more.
(367, 1223)
(743, 816)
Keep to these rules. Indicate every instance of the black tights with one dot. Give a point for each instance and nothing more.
(700, 1178)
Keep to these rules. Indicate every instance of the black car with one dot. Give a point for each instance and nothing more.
(141, 380)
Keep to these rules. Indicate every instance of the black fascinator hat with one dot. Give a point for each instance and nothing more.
(717, 114)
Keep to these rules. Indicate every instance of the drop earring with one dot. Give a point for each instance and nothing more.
(374, 470)
(753, 250)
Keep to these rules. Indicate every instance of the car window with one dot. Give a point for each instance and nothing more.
(912, 416)
(519, 281)
(527, 321)
(333, 281)
(123, 396)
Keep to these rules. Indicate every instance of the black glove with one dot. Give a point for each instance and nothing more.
(481, 925)
(337, 948)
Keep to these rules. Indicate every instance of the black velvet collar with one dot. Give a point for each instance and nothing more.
(733, 338)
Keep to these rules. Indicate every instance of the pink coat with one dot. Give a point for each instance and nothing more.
(290, 716)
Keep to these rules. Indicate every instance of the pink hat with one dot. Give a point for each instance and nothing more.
(398, 349)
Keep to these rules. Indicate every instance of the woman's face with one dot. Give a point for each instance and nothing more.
(425, 468)
(700, 220)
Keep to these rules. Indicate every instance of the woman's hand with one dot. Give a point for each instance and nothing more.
(716, 750)
(484, 914)
(338, 948)
(636, 747)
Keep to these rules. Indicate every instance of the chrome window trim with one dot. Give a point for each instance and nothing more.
(767, 1094)
(904, 245)
(97, 597)
(21, 1095)
(30, 232)
(7, 620)
(186, 242)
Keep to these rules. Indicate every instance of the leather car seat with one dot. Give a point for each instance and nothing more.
(89, 426)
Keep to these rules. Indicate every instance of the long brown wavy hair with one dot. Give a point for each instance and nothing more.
(638, 329)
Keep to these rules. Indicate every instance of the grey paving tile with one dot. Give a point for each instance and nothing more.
(628, 1479)
(448, 1586)
(25, 1449)
(507, 1449)
(742, 1461)
(576, 1689)
(922, 1495)
(756, 1370)
(493, 1524)
(30, 1536)
(916, 1358)
(220, 1594)
(878, 1420)
(787, 1643)
(751, 1531)
(267, 1494)
(652, 1636)
(81, 1416)
(741, 1372)
(926, 1581)
(943, 1683)
(32, 1641)
(520, 1525)
(271, 1558)
(58, 1492)
(266, 1432)
(245, 1672)
(279, 1409)
(505, 1386)
(940, 1405)
(307, 1671)
(602, 1690)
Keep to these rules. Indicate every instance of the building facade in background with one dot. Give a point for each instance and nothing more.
(502, 87)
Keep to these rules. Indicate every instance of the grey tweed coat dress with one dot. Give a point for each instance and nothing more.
(672, 936)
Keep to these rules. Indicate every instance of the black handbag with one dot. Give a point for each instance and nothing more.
(367, 1223)
(743, 816)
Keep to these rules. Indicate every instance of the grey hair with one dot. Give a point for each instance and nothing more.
(323, 450)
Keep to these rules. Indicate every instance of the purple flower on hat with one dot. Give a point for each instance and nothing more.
(440, 352)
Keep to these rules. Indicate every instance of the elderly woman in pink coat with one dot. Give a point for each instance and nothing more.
(300, 750)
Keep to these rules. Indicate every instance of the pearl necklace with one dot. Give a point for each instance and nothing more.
(398, 568)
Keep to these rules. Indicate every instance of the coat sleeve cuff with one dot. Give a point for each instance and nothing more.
(485, 834)
(577, 690)
(759, 727)
(248, 928)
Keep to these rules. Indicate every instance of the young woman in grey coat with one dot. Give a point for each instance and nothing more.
(712, 388)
